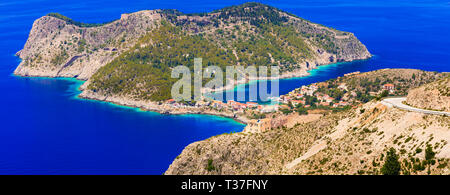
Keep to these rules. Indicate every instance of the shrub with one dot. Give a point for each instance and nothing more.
(391, 165)
(210, 167)
(429, 154)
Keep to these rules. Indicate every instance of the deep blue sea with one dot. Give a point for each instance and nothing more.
(45, 129)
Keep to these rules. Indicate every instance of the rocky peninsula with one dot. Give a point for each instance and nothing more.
(128, 61)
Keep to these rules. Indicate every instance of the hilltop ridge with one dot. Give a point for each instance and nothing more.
(433, 96)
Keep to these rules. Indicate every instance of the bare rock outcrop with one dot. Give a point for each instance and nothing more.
(57, 48)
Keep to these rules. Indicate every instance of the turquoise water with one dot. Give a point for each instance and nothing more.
(45, 129)
(321, 73)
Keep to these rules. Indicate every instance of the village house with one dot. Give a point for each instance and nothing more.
(319, 97)
(390, 87)
(346, 97)
(231, 102)
(259, 125)
(252, 104)
(297, 102)
(218, 104)
(307, 91)
(344, 103)
(342, 86)
(328, 98)
(238, 106)
(298, 95)
(259, 108)
(201, 103)
(324, 104)
(170, 101)
(177, 105)
(285, 99)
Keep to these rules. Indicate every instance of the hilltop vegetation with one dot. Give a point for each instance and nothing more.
(144, 72)
(251, 34)
(368, 86)
(76, 23)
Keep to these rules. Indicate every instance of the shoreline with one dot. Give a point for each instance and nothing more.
(161, 109)
(286, 76)
(149, 106)
(77, 84)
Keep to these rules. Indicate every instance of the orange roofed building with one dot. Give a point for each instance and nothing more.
(389, 87)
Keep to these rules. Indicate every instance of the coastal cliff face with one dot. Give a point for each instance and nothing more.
(153, 42)
(58, 48)
(433, 96)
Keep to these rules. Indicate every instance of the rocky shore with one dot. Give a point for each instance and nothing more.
(162, 108)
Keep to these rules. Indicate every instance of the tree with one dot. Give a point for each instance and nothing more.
(391, 165)
(429, 157)
(210, 167)
(302, 111)
(385, 93)
(429, 154)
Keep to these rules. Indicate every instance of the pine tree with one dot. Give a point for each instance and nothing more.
(391, 165)
(429, 157)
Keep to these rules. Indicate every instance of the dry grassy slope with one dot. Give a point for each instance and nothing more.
(368, 135)
(354, 142)
(246, 153)
(433, 96)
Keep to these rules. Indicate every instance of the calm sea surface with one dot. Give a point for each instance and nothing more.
(45, 129)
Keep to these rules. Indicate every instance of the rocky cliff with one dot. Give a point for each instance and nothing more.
(58, 48)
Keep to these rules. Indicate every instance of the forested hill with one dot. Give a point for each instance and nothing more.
(133, 56)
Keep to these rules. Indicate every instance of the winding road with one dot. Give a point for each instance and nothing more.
(398, 103)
